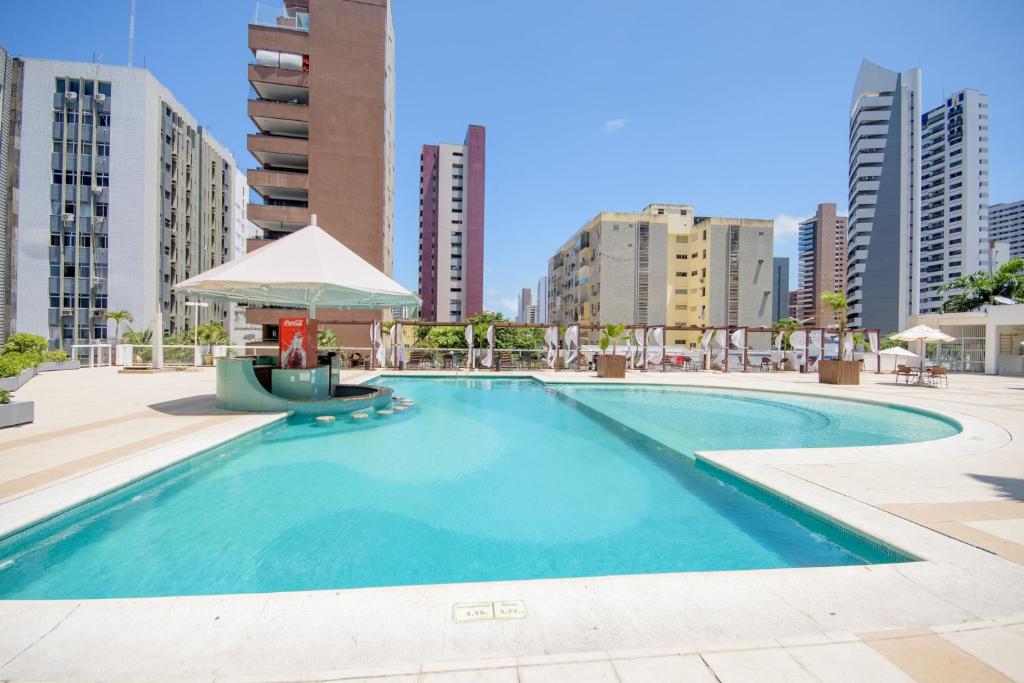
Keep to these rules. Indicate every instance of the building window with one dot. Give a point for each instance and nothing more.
(103, 120)
(101, 242)
(102, 149)
(102, 180)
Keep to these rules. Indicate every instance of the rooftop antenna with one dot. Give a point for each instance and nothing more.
(131, 30)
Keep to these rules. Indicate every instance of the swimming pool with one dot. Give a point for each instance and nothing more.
(484, 479)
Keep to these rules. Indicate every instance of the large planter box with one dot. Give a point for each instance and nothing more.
(17, 413)
(16, 382)
(611, 367)
(50, 366)
(838, 372)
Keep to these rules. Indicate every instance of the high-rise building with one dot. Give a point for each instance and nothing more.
(240, 330)
(821, 244)
(542, 300)
(531, 315)
(780, 288)
(885, 197)
(954, 194)
(525, 301)
(1006, 224)
(121, 194)
(324, 108)
(6, 188)
(451, 269)
(663, 266)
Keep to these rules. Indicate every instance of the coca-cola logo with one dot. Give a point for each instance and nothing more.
(294, 323)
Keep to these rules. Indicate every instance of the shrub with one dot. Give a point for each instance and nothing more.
(13, 363)
(55, 356)
(5, 397)
(24, 342)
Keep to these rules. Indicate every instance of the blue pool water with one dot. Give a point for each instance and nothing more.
(481, 480)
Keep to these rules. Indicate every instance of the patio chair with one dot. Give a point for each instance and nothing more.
(505, 361)
(936, 374)
(415, 360)
(766, 364)
(904, 371)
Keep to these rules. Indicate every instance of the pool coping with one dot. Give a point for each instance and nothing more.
(629, 612)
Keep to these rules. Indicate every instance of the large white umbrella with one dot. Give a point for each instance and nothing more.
(923, 335)
(306, 269)
(898, 351)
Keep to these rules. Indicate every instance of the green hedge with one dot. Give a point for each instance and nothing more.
(23, 351)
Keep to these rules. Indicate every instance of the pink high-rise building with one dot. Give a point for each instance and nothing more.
(452, 228)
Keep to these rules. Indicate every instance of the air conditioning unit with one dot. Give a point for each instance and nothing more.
(69, 218)
(71, 96)
(96, 189)
(99, 97)
(98, 219)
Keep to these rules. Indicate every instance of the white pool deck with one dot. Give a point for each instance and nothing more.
(958, 614)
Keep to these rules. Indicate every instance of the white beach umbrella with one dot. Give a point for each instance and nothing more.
(306, 269)
(923, 335)
(898, 351)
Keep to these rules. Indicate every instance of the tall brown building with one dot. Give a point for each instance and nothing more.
(822, 258)
(323, 102)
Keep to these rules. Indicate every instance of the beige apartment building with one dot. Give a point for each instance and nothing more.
(663, 266)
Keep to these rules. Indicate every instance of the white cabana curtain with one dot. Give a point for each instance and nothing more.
(873, 341)
(469, 345)
(572, 344)
(815, 346)
(777, 353)
(656, 345)
(721, 343)
(638, 347)
(705, 346)
(398, 345)
(488, 361)
(798, 340)
(377, 341)
(551, 345)
(629, 349)
(739, 339)
(848, 347)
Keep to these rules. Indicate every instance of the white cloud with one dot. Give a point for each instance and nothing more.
(786, 226)
(502, 305)
(615, 125)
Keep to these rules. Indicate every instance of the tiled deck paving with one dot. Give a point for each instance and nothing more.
(958, 616)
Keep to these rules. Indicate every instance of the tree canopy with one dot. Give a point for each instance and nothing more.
(974, 290)
(445, 337)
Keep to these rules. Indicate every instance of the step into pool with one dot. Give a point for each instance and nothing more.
(479, 480)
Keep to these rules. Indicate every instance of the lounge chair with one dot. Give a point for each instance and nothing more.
(938, 373)
(505, 361)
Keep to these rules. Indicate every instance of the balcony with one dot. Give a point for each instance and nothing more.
(290, 14)
(287, 185)
(280, 152)
(279, 85)
(278, 218)
(280, 118)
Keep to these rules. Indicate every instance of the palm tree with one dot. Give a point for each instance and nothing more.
(327, 339)
(787, 325)
(612, 335)
(118, 317)
(836, 302)
(211, 334)
(974, 290)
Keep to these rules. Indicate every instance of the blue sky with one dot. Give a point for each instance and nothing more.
(739, 108)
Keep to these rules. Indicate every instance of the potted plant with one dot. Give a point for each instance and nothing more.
(611, 365)
(840, 371)
(209, 335)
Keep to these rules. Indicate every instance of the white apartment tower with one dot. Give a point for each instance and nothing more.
(885, 197)
(122, 194)
(542, 300)
(954, 194)
(1006, 224)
